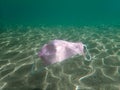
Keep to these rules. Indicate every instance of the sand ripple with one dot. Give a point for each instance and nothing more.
(19, 47)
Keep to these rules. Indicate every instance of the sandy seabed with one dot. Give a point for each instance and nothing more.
(19, 48)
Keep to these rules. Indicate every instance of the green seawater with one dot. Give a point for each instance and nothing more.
(60, 12)
(26, 25)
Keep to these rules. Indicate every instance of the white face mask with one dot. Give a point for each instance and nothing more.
(60, 50)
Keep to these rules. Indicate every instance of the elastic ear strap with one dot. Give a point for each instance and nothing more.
(36, 70)
(33, 66)
(87, 54)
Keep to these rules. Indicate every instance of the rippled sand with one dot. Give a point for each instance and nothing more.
(19, 47)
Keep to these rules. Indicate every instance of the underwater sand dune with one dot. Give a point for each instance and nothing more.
(19, 48)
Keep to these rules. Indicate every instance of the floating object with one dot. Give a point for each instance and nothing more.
(60, 50)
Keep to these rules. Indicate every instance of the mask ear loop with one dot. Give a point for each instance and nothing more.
(87, 53)
(33, 66)
(35, 69)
